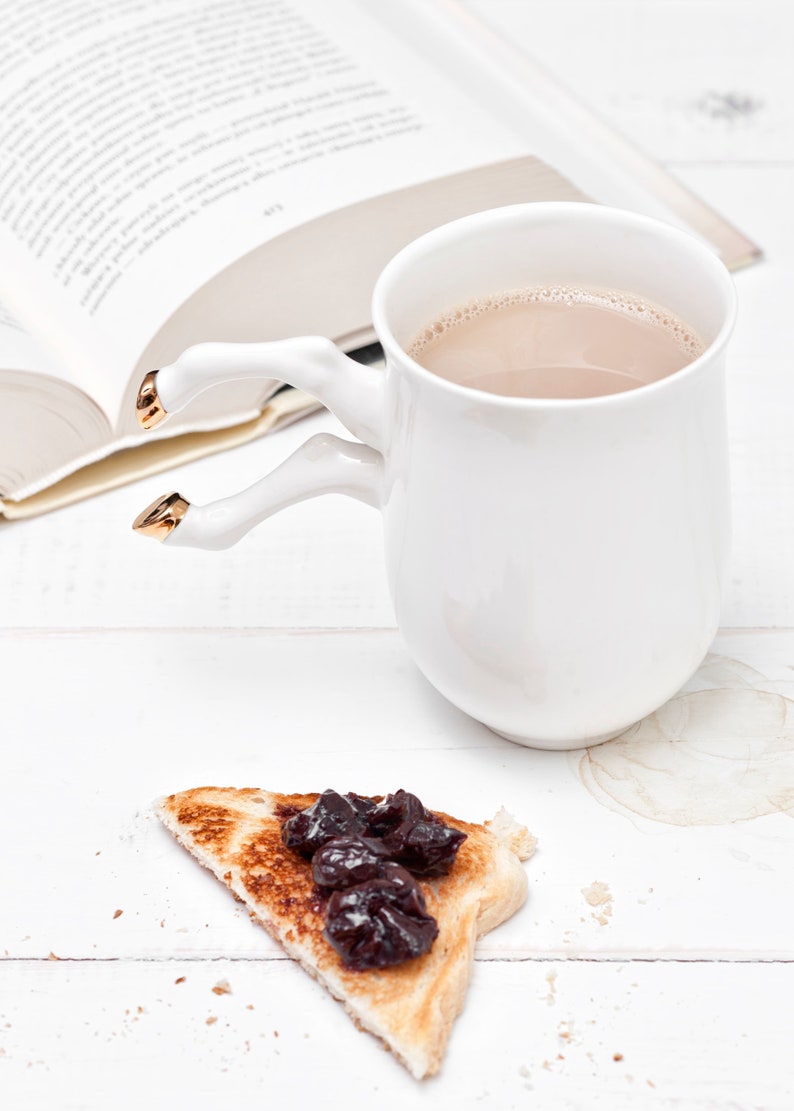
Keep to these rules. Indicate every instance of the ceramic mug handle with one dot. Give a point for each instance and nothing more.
(324, 464)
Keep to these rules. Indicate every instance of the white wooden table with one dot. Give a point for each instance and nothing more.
(653, 965)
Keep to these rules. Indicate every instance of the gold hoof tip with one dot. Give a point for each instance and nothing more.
(148, 407)
(162, 516)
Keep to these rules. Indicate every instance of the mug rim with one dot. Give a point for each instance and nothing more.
(538, 211)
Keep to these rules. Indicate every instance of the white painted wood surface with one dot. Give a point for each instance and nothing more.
(652, 964)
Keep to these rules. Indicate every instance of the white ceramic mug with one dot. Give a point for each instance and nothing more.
(555, 565)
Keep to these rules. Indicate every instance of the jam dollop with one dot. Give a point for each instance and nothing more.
(363, 854)
(333, 815)
(411, 834)
(414, 836)
(344, 861)
(380, 922)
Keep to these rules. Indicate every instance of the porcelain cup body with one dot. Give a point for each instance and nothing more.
(556, 567)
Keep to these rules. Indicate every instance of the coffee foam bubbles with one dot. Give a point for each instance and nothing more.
(616, 300)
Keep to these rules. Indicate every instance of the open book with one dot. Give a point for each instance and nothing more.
(175, 172)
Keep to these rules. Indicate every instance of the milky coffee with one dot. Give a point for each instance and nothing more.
(556, 342)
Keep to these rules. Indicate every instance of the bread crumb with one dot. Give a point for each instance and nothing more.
(180, 979)
(222, 988)
(516, 837)
(598, 896)
(52, 957)
(617, 1056)
(210, 1020)
(565, 1029)
(117, 913)
(551, 979)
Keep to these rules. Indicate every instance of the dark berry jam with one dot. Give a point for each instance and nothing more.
(344, 861)
(333, 815)
(380, 922)
(364, 852)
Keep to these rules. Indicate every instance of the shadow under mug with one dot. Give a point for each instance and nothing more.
(555, 566)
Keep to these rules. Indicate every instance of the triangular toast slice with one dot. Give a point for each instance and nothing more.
(236, 833)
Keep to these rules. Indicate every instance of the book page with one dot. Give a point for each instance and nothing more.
(19, 350)
(39, 409)
(147, 144)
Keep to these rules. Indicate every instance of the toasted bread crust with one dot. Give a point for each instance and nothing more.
(236, 833)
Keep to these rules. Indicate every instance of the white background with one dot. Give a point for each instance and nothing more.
(130, 671)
